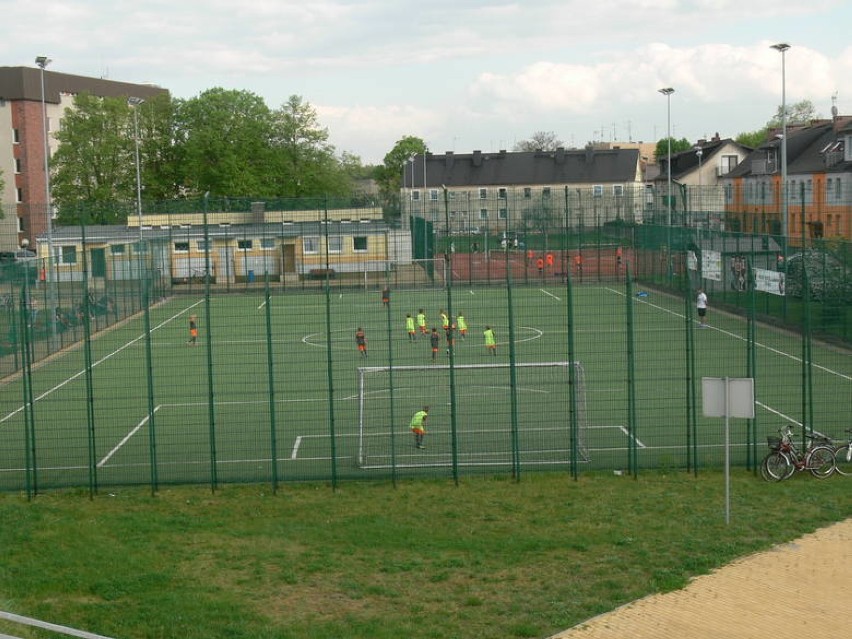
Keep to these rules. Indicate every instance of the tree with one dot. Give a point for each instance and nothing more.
(305, 160)
(223, 140)
(801, 112)
(662, 150)
(389, 175)
(752, 139)
(540, 141)
(95, 161)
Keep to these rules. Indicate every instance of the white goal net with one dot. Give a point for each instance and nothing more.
(502, 412)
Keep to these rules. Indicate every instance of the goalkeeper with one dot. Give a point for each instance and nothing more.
(418, 426)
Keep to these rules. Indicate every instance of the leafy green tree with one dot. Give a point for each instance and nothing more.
(95, 161)
(752, 139)
(801, 112)
(662, 150)
(389, 174)
(224, 145)
(305, 161)
(540, 141)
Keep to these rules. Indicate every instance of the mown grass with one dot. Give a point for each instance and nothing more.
(488, 558)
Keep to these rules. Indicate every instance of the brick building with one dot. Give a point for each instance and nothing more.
(22, 128)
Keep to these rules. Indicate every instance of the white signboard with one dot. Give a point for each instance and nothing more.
(728, 396)
(769, 281)
(711, 265)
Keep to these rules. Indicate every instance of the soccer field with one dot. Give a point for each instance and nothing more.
(276, 390)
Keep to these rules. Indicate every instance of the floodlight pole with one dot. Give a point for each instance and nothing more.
(42, 61)
(134, 103)
(667, 91)
(785, 210)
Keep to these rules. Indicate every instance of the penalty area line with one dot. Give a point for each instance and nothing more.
(559, 299)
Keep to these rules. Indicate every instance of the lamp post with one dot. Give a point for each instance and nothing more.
(135, 102)
(667, 91)
(42, 61)
(698, 152)
(782, 47)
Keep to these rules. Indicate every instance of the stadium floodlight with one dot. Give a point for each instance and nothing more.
(42, 61)
(785, 211)
(135, 102)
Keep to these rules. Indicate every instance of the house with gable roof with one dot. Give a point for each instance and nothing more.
(819, 184)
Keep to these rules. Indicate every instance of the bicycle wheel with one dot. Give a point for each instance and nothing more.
(820, 461)
(843, 459)
(775, 466)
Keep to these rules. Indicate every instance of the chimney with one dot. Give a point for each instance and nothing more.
(449, 160)
(477, 158)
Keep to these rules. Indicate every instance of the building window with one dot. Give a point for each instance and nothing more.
(68, 254)
(483, 214)
(728, 163)
(838, 190)
(501, 193)
(310, 245)
(618, 190)
(16, 136)
(21, 227)
(527, 193)
(335, 244)
(245, 245)
(597, 190)
(267, 243)
(415, 196)
(503, 213)
(359, 244)
(433, 195)
(483, 194)
(19, 195)
(117, 249)
(181, 247)
(17, 165)
(545, 193)
(202, 245)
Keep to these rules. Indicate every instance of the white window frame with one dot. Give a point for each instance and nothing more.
(502, 213)
(483, 214)
(502, 193)
(245, 245)
(433, 195)
(483, 194)
(117, 249)
(415, 195)
(311, 245)
(597, 190)
(335, 244)
(618, 190)
(180, 246)
(67, 254)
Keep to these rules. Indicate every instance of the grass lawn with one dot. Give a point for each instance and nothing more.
(488, 558)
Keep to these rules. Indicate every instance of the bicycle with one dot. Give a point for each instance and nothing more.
(784, 458)
(843, 456)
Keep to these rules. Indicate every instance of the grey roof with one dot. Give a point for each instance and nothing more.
(804, 150)
(24, 83)
(98, 234)
(587, 166)
(686, 162)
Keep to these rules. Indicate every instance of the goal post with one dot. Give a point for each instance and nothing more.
(485, 433)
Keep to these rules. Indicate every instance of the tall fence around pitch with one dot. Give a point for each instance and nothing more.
(527, 357)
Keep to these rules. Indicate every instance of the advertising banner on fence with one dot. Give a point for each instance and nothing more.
(711, 265)
(769, 281)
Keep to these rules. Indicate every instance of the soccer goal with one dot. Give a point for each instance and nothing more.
(503, 412)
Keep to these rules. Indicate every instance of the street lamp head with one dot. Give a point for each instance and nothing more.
(666, 91)
(133, 101)
(781, 46)
(42, 61)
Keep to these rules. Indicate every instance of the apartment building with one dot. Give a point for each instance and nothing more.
(22, 140)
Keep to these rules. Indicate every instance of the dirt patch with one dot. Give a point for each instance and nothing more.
(803, 587)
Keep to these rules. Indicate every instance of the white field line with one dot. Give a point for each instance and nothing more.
(551, 294)
(106, 357)
(126, 438)
(771, 349)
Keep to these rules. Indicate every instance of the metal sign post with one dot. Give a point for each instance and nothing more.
(728, 397)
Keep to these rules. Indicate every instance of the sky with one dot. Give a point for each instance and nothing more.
(464, 75)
